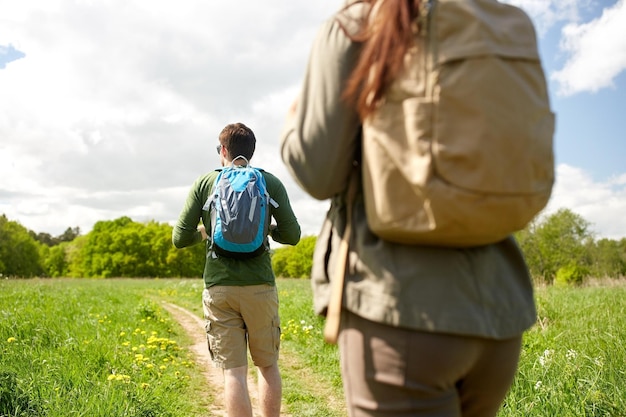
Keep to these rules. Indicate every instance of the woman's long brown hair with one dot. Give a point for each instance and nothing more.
(387, 33)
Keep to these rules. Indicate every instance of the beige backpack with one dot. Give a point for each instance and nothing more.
(460, 152)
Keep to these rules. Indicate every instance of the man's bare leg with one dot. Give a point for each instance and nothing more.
(270, 390)
(236, 394)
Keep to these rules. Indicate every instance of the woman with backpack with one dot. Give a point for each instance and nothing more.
(425, 330)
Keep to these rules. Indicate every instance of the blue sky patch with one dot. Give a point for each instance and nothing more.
(8, 53)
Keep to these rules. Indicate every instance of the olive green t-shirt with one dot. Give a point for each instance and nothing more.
(219, 270)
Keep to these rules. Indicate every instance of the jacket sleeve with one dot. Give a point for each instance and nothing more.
(319, 140)
(185, 232)
(287, 229)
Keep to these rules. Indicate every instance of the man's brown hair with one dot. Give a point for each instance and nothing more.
(238, 139)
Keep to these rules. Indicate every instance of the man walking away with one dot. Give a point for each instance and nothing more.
(240, 299)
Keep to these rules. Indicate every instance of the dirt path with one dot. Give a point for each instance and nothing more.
(194, 327)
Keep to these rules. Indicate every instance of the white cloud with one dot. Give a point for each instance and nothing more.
(116, 107)
(597, 52)
(594, 51)
(545, 14)
(602, 203)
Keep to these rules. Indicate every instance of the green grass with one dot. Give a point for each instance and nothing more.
(573, 361)
(309, 367)
(313, 377)
(90, 348)
(107, 348)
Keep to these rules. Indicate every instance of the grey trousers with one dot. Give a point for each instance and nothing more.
(389, 371)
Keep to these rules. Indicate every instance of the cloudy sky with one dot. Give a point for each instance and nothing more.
(112, 108)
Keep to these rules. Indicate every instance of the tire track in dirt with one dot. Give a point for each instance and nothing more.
(194, 327)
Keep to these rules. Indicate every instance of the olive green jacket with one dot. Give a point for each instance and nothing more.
(483, 291)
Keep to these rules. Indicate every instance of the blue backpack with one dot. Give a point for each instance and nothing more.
(240, 215)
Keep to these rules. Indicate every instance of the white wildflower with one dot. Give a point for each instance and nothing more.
(543, 359)
(571, 354)
(599, 361)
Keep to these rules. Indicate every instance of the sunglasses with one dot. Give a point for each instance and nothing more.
(219, 149)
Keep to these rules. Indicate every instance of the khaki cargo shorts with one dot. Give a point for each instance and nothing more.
(242, 317)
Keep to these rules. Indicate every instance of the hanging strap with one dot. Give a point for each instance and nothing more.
(333, 314)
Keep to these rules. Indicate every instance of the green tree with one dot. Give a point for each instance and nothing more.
(44, 238)
(558, 241)
(19, 252)
(101, 256)
(70, 234)
(49, 240)
(74, 257)
(608, 258)
(55, 260)
(294, 261)
(123, 248)
(187, 262)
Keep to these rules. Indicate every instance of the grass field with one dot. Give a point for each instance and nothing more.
(108, 348)
(574, 360)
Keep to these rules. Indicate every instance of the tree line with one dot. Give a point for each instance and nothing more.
(560, 247)
(118, 248)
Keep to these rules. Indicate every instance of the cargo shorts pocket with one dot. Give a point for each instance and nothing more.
(212, 341)
(276, 331)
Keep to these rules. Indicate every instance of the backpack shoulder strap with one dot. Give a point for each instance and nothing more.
(273, 202)
(333, 314)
